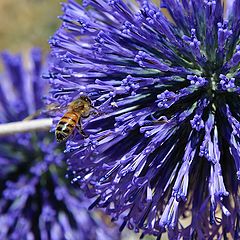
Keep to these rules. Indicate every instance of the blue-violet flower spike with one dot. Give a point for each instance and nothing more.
(164, 144)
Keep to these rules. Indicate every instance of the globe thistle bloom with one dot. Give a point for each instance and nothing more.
(164, 145)
(36, 201)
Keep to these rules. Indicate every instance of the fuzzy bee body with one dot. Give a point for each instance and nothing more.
(72, 118)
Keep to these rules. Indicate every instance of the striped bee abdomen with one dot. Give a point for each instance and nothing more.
(66, 125)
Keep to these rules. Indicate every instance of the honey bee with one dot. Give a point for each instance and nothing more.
(77, 109)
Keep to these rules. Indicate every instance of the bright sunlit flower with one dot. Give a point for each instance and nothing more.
(164, 145)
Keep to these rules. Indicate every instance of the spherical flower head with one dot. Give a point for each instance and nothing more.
(164, 142)
(36, 201)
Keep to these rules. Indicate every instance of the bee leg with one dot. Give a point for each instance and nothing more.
(97, 112)
(80, 130)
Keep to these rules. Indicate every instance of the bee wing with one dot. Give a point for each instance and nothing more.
(33, 115)
(53, 108)
(48, 110)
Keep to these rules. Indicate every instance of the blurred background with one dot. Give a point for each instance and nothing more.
(27, 23)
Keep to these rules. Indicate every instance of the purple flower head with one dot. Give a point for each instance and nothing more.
(36, 201)
(166, 144)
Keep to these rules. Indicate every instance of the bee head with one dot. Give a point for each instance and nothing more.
(85, 99)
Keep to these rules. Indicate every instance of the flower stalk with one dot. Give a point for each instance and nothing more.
(25, 126)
